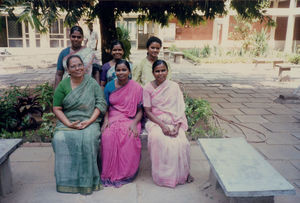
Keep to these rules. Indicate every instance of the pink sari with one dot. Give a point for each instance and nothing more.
(120, 152)
(170, 156)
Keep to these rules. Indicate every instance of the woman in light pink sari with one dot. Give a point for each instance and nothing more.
(120, 143)
(168, 146)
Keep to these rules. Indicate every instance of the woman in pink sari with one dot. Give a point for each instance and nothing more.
(121, 145)
(168, 146)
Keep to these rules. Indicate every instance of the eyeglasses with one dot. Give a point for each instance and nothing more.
(74, 36)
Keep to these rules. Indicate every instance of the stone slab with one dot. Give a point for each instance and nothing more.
(228, 105)
(8, 146)
(229, 112)
(296, 134)
(241, 170)
(286, 169)
(252, 111)
(237, 99)
(296, 163)
(281, 111)
(280, 152)
(251, 119)
(281, 138)
(282, 127)
(32, 154)
(280, 118)
(297, 146)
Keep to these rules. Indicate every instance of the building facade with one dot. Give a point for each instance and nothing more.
(286, 36)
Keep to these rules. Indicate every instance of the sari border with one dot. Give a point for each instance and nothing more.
(81, 190)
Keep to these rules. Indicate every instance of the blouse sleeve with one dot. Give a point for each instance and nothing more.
(105, 68)
(136, 73)
(59, 95)
(100, 99)
(146, 98)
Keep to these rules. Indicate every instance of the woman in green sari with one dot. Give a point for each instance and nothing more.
(78, 102)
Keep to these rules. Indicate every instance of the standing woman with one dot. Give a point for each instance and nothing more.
(142, 72)
(121, 145)
(108, 69)
(168, 146)
(86, 54)
(77, 103)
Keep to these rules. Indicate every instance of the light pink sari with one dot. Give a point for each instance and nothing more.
(170, 156)
(120, 152)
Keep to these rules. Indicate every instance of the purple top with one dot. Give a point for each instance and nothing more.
(105, 68)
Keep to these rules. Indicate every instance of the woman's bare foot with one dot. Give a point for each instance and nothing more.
(190, 179)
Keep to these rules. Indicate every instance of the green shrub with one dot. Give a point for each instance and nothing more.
(45, 94)
(199, 113)
(295, 59)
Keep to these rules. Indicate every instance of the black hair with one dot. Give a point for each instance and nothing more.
(76, 28)
(157, 63)
(73, 56)
(123, 61)
(116, 42)
(153, 39)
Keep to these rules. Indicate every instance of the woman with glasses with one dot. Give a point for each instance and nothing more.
(86, 54)
(77, 103)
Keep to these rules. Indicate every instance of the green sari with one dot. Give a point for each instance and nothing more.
(76, 169)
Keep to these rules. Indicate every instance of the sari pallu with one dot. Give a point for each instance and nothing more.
(120, 151)
(170, 156)
(88, 57)
(76, 169)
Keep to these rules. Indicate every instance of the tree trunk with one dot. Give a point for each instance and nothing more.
(107, 28)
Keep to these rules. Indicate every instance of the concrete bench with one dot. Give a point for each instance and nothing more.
(178, 56)
(243, 174)
(7, 146)
(285, 67)
(274, 61)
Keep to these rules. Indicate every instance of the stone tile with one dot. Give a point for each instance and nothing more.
(256, 105)
(281, 111)
(218, 95)
(262, 95)
(297, 183)
(260, 100)
(228, 105)
(283, 152)
(216, 100)
(251, 119)
(296, 134)
(296, 163)
(280, 118)
(237, 99)
(229, 112)
(243, 91)
(282, 127)
(235, 95)
(286, 169)
(288, 198)
(281, 138)
(215, 106)
(252, 111)
(297, 146)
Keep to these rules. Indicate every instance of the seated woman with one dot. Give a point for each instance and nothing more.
(168, 146)
(78, 101)
(86, 54)
(108, 69)
(121, 145)
(142, 72)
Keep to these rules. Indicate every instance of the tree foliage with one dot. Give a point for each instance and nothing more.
(41, 13)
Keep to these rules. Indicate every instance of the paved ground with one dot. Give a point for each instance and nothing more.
(238, 92)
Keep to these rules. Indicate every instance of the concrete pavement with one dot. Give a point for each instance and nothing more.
(238, 92)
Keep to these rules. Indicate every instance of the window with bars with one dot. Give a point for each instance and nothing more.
(56, 33)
